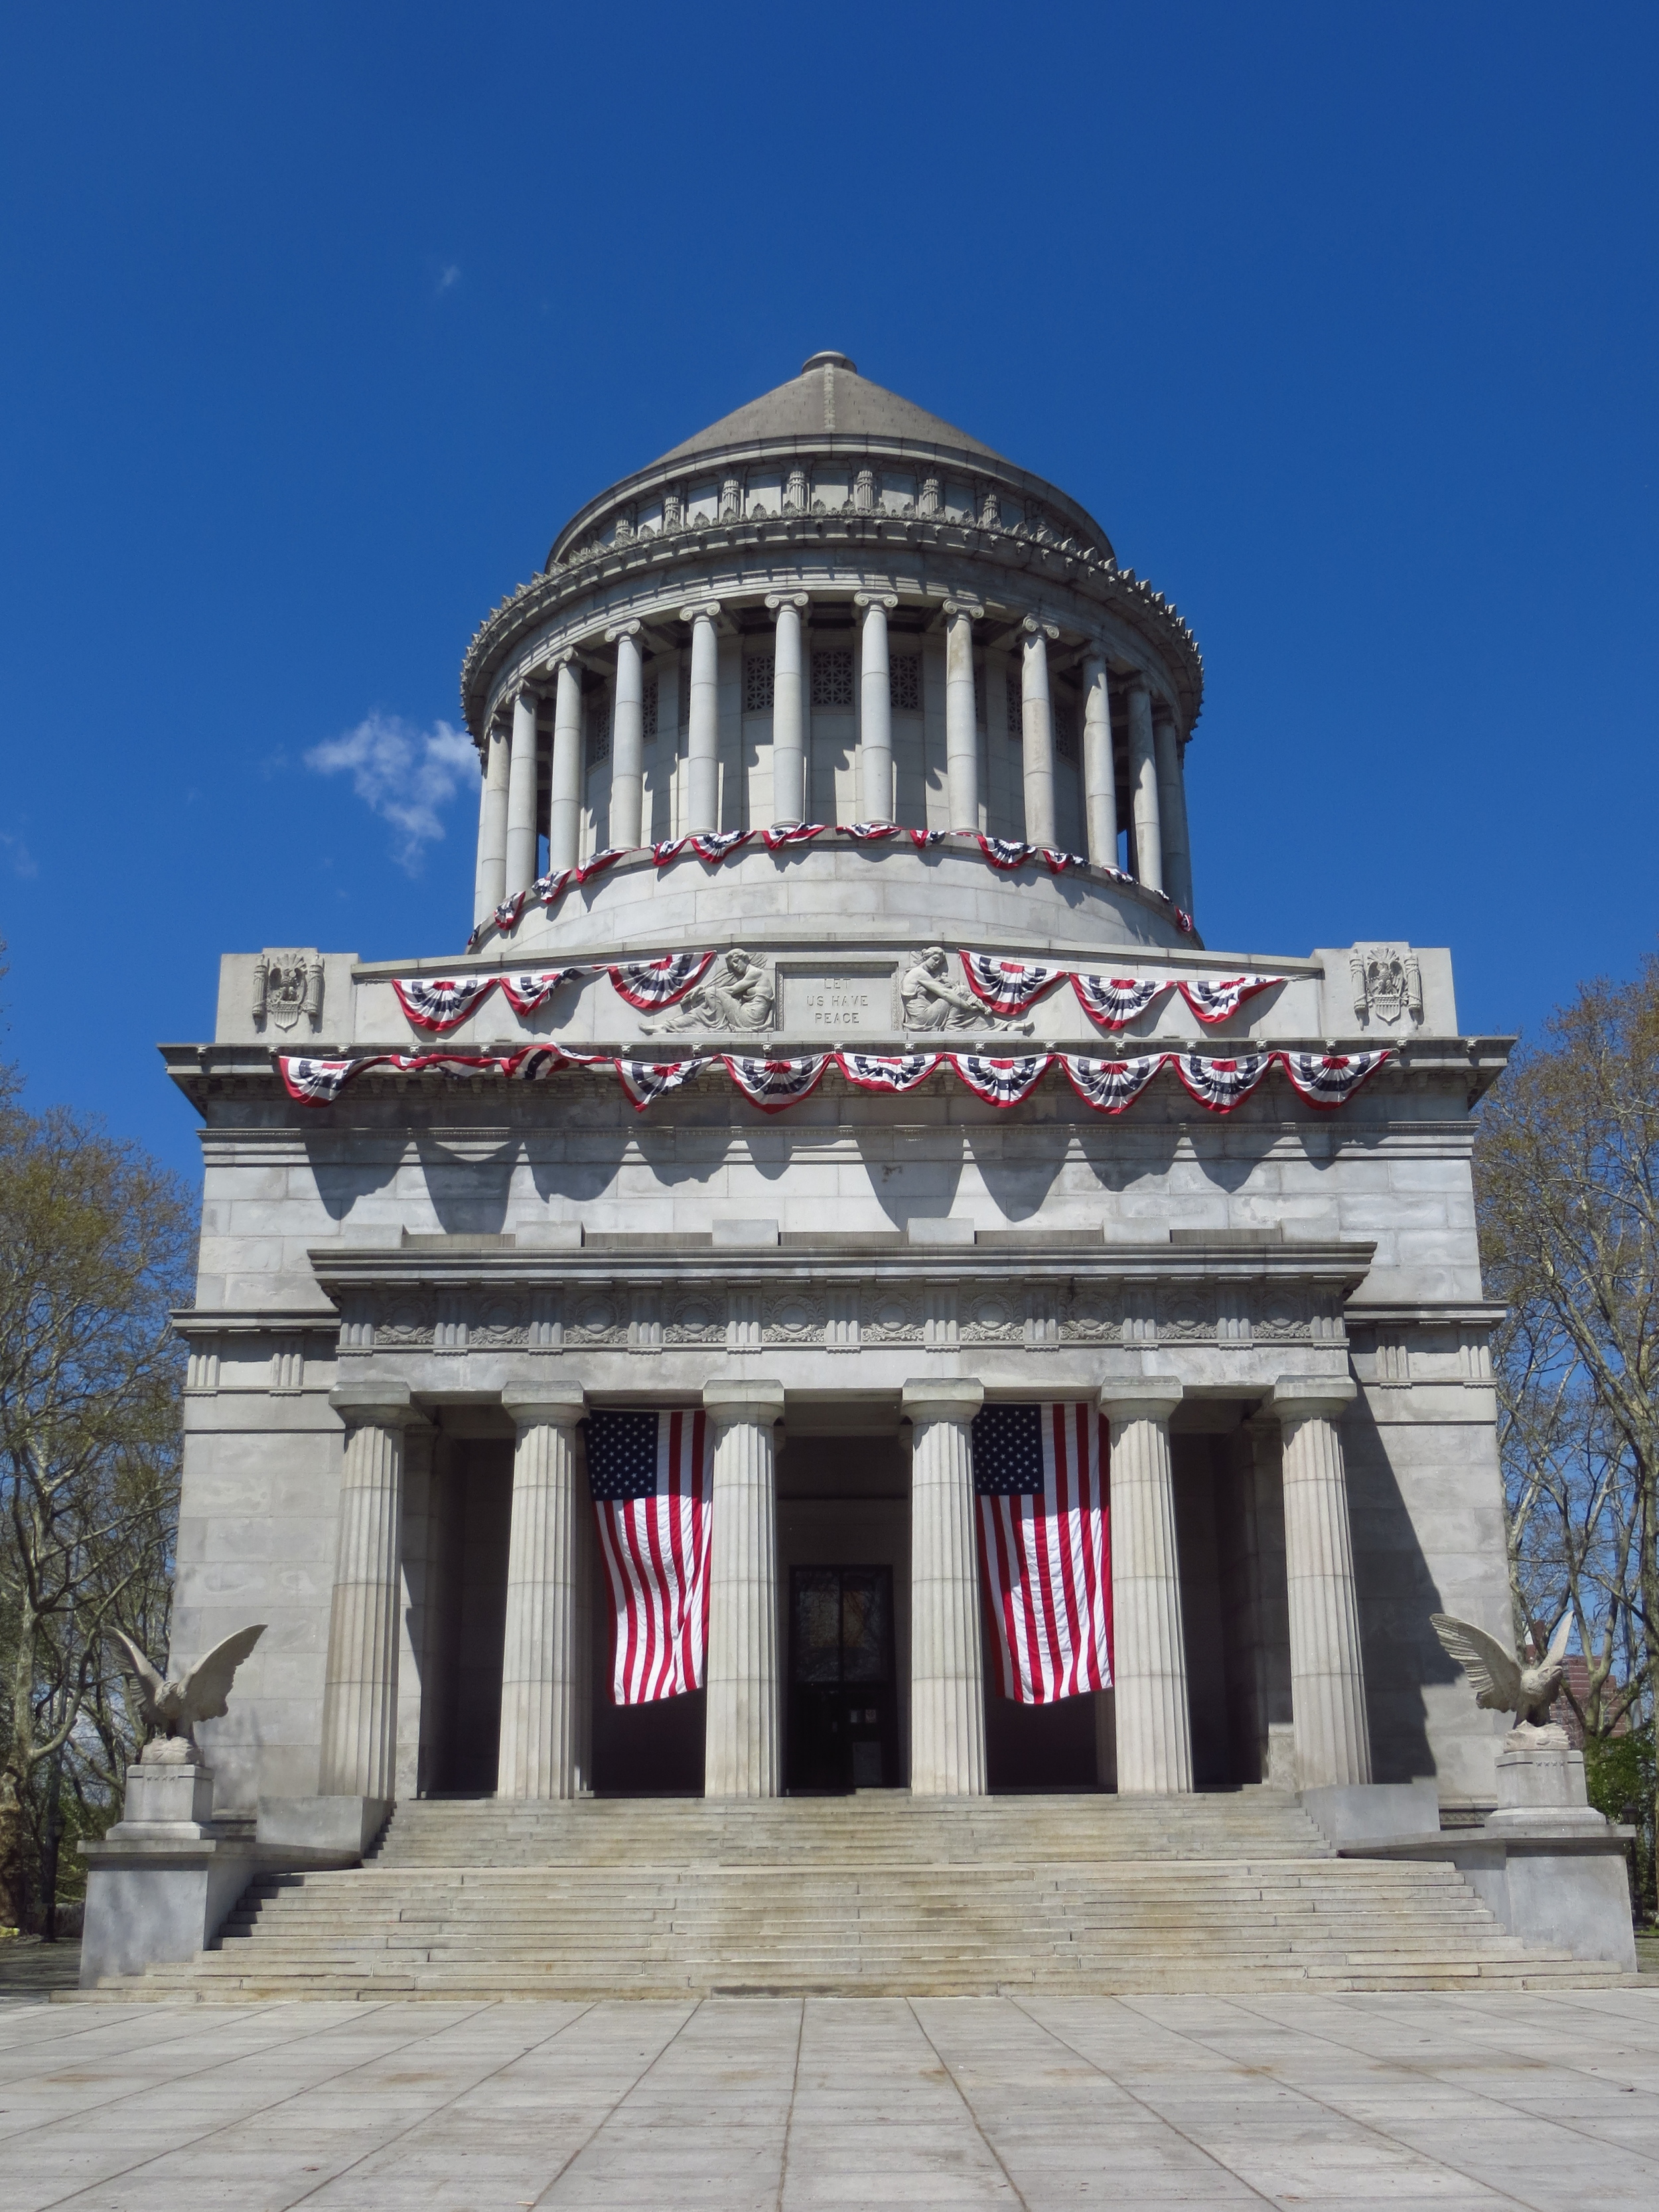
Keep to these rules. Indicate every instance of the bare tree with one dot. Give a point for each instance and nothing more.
(1567, 1182)
(95, 1243)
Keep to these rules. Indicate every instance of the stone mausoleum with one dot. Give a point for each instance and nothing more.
(834, 769)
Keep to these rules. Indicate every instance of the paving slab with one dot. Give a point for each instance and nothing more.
(1413, 2103)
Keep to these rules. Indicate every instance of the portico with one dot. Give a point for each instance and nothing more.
(613, 1329)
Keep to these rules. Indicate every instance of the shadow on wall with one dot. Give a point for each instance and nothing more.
(341, 1184)
(923, 1189)
(1396, 1594)
(468, 1192)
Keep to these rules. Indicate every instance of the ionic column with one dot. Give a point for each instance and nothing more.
(741, 1755)
(703, 745)
(564, 812)
(875, 710)
(1099, 768)
(360, 1682)
(520, 870)
(789, 708)
(947, 1674)
(1037, 722)
(1143, 787)
(1154, 1727)
(961, 725)
(542, 1669)
(1172, 806)
(1328, 1680)
(489, 884)
(628, 737)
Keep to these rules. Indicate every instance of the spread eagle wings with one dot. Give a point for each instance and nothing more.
(150, 1685)
(206, 1688)
(1494, 1677)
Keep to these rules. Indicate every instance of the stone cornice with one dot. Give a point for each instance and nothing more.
(649, 569)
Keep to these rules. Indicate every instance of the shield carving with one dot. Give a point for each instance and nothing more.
(287, 982)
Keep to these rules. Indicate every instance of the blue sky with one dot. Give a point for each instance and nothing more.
(318, 321)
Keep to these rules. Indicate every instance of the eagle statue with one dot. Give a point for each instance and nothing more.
(1502, 1685)
(172, 1709)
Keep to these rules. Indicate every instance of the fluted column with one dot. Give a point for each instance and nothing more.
(542, 1669)
(521, 796)
(628, 737)
(564, 812)
(1099, 768)
(1143, 787)
(489, 884)
(360, 1681)
(875, 710)
(947, 1670)
(961, 723)
(1172, 806)
(789, 708)
(702, 743)
(1154, 1727)
(741, 1748)
(1328, 1680)
(1036, 723)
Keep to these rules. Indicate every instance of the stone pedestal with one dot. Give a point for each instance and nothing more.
(169, 1799)
(1540, 1787)
(741, 1753)
(947, 1673)
(1149, 1662)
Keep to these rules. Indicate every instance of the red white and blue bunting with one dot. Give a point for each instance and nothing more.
(528, 993)
(441, 1003)
(652, 984)
(1007, 987)
(1114, 1001)
(773, 1085)
(714, 846)
(1107, 1085)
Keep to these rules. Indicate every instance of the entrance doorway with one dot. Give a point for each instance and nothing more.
(844, 1700)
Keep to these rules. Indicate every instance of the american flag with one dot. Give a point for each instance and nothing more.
(651, 1475)
(1045, 1548)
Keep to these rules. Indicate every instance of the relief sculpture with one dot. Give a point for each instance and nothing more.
(740, 994)
(932, 1000)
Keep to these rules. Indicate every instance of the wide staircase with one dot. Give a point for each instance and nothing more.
(867, 1895)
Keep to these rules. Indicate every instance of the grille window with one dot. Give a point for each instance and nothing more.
(1015, 719)
(599, 733)
(832, 678)
(904, 684)
(757, 684)
(686, 692)
(648, 711)
(1065, 730)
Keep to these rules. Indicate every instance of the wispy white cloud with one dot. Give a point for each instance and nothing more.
(448, 277)
(407, 776)
(19, 858)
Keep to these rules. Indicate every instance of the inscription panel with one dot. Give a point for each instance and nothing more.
(838, 1002)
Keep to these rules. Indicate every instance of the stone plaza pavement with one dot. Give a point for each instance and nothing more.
(1441, 2101)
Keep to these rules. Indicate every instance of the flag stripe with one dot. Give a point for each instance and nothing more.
(656, 1555)
(1045, 1551)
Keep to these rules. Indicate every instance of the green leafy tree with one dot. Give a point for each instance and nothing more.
(1567, 1184)
(94, 1246)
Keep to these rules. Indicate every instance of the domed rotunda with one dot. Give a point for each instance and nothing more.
(838, 1290)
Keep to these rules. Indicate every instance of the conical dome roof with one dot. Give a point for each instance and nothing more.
(828, 397)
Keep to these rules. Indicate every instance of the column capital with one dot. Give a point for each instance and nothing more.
(564, 658)
(948, 1399)
(1163, 711)
(1035, 626)
(1147, 1398)
(758, 1400)
(700, 609)
(776, 601)
(1095, 654)
(622, 629)
(886, 600)
(379, 1405)
(1313, 1397)
(974, 609)
(1138, 680)
(560, 1404)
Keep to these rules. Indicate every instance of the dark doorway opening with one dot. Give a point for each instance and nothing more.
(472, 1514)
(843, 1699)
